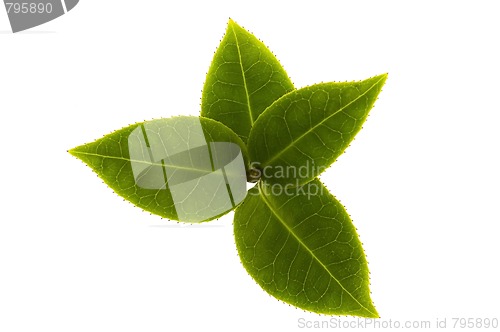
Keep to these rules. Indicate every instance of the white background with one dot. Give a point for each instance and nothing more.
(421, 181)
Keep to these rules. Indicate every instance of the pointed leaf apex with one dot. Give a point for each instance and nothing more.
(243, 80)
(231, 23)
(75, 151)
(384, 75)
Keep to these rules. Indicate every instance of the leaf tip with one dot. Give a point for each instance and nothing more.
(382, 77)
(231, 23)
(74, 152)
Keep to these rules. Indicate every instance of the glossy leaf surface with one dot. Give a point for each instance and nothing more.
(307, 129)
(183, 168)
(243, 80)
(300, 246)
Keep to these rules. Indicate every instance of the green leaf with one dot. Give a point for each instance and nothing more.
(300, 246)
(183, 168)
(303, 132)
(243, 80)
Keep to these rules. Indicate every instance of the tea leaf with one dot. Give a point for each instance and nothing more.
(300, 246)
(243, 80)
(184, 168)
(307, 129)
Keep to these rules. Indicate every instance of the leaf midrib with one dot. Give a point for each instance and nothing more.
(141, 161)
(292, 143)
(269, 205)
(247, 95)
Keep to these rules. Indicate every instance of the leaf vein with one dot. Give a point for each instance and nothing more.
(291, 144)
(244, 79)
(291, 232)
